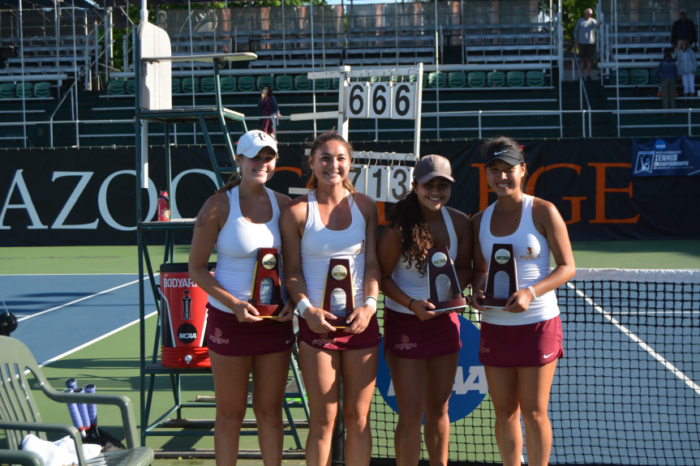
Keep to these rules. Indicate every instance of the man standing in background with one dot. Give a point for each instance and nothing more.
(683, 29)
(584, 41)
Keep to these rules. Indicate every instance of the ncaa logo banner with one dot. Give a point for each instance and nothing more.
(666, 157)
(469, 388)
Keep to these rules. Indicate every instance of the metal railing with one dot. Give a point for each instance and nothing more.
(468, 123)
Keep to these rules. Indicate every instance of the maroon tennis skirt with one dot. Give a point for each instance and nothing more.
(406, 336)
(341, 339)
(521, 345)
(228, 337)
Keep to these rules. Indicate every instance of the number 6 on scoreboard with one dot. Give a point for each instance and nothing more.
(357, 99)
(404, 101)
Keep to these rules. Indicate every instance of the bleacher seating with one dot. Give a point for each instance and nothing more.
(24, 89)
(284, 83)
(42, 90)
(509, 43)
(228, 83)
(7, 90)
(457, 79)
(496, 79)
(476, 79)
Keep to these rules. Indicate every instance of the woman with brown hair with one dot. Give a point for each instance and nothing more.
(421, 344)
(240, 218)
(521, 342)
(334, 221)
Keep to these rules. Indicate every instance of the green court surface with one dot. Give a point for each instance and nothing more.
(630, 254)
(112, 363)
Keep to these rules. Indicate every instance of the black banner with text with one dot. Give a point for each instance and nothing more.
(87, 196)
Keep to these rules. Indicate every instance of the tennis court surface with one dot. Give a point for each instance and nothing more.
(627, 391)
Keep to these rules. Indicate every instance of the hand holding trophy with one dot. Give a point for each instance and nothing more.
(445, 291)
(266, 292)
(502, 280)
(338, 296)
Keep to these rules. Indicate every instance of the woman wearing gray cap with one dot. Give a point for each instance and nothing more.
(240, 218)
(520, 343)
(422, 345)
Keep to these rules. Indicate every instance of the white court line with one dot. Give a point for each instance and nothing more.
(81, 299)
(49, 361)
(677, 372)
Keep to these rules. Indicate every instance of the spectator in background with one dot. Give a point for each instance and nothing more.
(668, 74)
(683, 29)
(584, 41)
(687, 64)
(268, 107)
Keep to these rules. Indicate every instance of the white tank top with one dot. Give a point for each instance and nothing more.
(237, 248)
(410, 279)
(531, 251)
(319, 245)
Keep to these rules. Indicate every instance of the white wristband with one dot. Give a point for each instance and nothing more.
(532, 290)
(302, 305)
(371, 301)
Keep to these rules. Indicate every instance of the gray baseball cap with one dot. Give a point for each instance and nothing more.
(432, 166)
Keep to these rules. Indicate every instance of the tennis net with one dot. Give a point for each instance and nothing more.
(627, 390)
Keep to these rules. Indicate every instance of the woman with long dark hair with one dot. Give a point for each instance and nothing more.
(240, 218)
(421, 344)
(334, 222)
(267, 103)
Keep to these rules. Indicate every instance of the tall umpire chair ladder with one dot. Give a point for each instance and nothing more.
(154, 104)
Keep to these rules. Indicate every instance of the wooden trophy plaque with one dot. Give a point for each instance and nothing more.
(502, 280)
(266, 292)
(338, 297)
(445, 292)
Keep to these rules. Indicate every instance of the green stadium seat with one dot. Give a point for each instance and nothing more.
(374, 79)
(228, 84)
(476, 79)
(639, 77)
(654, 78)
(515, 79)
(413, 78)
(302, 83)
(24, 89)
(130, 87)
(323, 84)
(457, 79)
(284, 83)
(42, 89)
(176, 85)
(496, 79)
(437, 79)
(190, 85)
(207, 84)
(115, 87)
(535, 78)
(620, 77)
(263, 81)
(246, 84)
(7, 90)
(335, 83)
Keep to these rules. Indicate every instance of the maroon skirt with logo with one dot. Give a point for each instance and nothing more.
(521, 345)
(226, 336)
(341, 339)
(406, 336)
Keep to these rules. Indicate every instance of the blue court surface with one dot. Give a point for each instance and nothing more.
(58, 314)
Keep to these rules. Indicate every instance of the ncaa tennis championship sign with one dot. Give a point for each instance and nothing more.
(469, 388)
(666, 157)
